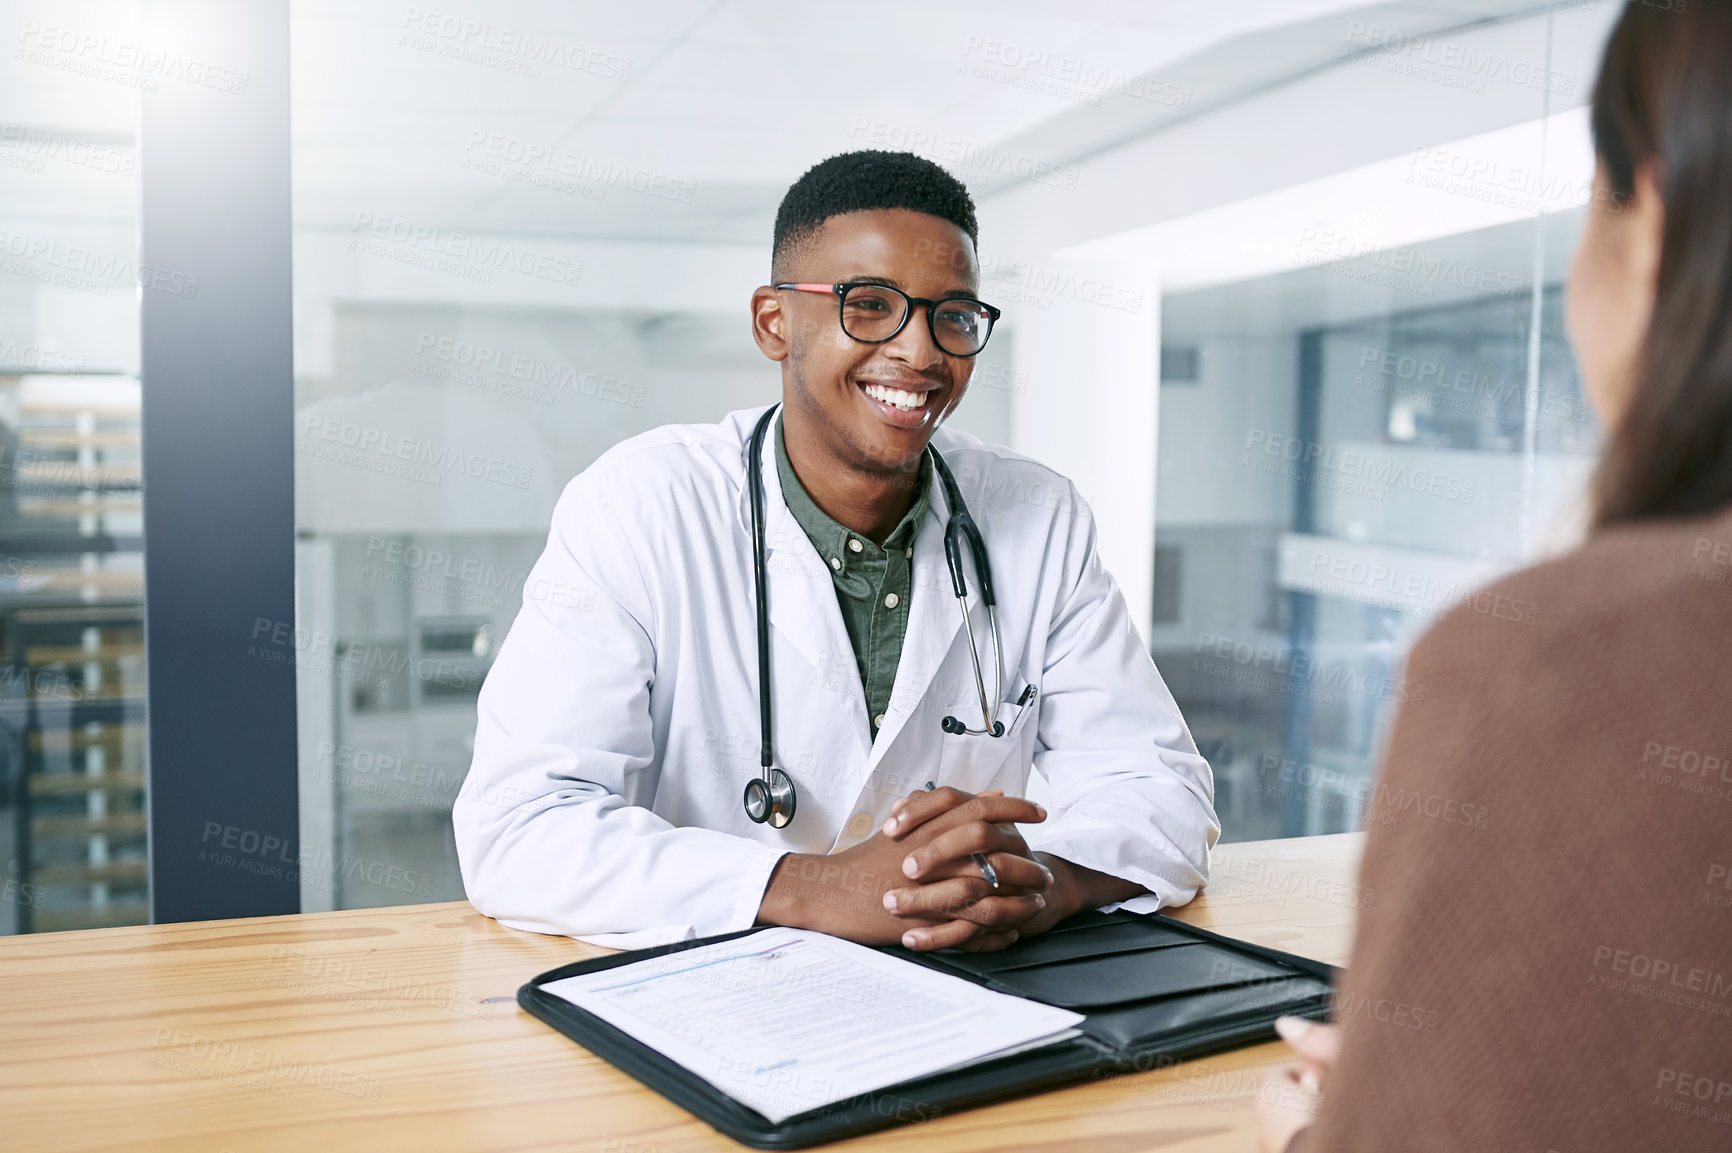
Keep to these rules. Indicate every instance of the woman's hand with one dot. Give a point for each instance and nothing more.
(1289, 1097)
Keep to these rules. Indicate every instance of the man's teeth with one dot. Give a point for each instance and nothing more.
(895, 396)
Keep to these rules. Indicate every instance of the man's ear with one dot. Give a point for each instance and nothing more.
(770, 323)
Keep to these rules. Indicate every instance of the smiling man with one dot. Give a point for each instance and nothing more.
(628, 788)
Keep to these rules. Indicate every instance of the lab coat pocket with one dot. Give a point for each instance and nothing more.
(974, 762)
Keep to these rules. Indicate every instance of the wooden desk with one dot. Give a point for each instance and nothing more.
(387, 1029)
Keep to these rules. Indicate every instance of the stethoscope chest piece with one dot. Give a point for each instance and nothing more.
(771, 798)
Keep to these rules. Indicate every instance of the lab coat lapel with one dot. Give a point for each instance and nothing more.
(933, 624)
(804, 610)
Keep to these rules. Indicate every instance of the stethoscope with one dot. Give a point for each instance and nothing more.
(771, 797)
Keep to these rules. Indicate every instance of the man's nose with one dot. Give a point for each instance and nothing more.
(914, 345)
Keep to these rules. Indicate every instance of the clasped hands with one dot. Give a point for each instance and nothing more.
(939, 832)
(915, 882)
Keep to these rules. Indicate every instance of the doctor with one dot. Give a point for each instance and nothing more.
(620, 724)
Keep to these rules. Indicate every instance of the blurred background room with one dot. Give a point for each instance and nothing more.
(1282, 293)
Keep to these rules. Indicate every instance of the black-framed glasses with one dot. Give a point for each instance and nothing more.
(875, 313)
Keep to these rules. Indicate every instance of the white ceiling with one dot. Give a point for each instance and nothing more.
(738, 97)
(733, 97)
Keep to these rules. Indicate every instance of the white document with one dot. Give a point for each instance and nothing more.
(789, 1020)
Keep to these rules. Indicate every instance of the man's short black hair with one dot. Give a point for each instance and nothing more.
(859, 181)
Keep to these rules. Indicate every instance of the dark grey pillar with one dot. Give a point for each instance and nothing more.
(218, 461)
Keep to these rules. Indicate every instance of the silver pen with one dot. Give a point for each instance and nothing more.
(987, 872)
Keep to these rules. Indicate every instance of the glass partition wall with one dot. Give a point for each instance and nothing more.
(1413, 458)
(1379, 419)
(72, 693)
(523, 234)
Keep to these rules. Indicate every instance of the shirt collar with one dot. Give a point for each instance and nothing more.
(829, 535)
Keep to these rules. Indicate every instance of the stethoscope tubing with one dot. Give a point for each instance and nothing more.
(765, 798)
(760, 581)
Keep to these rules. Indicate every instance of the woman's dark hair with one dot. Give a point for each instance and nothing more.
(1664, 96)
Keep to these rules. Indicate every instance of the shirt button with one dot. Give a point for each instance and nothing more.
(891, 601)
(909, 553)
(859, 824)
(836, 563)
(853, 545)
(878, 721)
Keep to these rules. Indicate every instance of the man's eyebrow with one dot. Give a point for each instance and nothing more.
(890, 282)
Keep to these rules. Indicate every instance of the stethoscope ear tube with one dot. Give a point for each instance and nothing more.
(961, 525)
(982, 569)
(952, 725)
(953, 558)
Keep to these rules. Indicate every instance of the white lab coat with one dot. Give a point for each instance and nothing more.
(619, 724)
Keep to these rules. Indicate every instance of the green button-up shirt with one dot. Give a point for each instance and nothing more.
(873, 583)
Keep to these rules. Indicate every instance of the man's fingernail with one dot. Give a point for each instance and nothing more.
(1013, 936)
(1041, 810)
(890, 826)
(909, 940)
(890, 900)
(1292, 1028)
(1308, 1081)
(909, 867)
(1039, 901)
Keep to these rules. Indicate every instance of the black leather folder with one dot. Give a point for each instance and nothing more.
(1154, 991)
